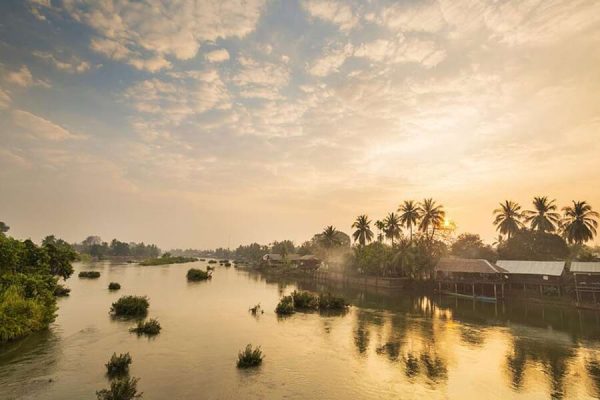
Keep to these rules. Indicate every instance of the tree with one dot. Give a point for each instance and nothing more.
(284, 247)
(533, 245)
(60, 255)
(543, 218)
(392, 227)
(469, 245)
(329, 238)
(580, 222)
(410, 214)
(508, 218)
(3, 227)
(432, 216)
(380, 225)
(363, 233)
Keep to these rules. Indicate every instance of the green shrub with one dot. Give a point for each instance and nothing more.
(195, 274)
(150, 327)
(167, 259)
(121, 389)
(285, 306)
(20, 316)
(61, 290)
(250, 357)
(118, 364)
(305, 300)
(227, 264)
(89, 274)
(114, 286)
(330, 302)
(130, 306)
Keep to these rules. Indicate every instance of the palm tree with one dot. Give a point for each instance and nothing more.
(543, 218)
(508, 218)
(410, 215)
(432, 216)
(380, 225)
(363, 232)
(392, 227)
(329, 237)
(580, 222)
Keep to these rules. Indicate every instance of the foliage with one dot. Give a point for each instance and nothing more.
(305, 300)
(330, 302)
(60, 256)
(285, 306)
(250, 357)
(544, 218)
(508, 218)
(89, 274)
(432, 217)
(167, 259)
(410, 214)
(372, 259)
(118, 364)
(392, 227)
(61, 290)
(256, 310)
(150, 327)
(363, 233)
(121, 389)
(284, 247)
(130, 306)
(3, 227)
(114, 286)
(212, 261)
(533, 245)
(417, 259)
(469, 245)
(195, 274)
(95, 247)
(580, 222)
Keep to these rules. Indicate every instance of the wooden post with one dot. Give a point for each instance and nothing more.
(503, 290)
(455, 289)
(439, 287)
(576, 288)
(495, 295)
(541, 291)
(473, 290)
(594, 295)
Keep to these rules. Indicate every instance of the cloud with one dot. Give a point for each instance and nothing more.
(333, 11)
(24, 78)
(41, 128)
(261, 79)
(146, 34)
(420, 16)
(330, 61)
(217, 56)
(4, 99)
(75, 65)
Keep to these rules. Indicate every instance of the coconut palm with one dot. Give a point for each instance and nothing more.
(508, 218)
(543, 218)
(410, 214)
(380, 225)
(580, 222)
(432, 216)
(392, 227)
(329, 237)
(363, 232)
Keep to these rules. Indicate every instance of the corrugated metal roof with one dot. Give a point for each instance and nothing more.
(466, 265)
(552, 268)
(579, 266)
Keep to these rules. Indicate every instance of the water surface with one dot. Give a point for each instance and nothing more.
(388, 346)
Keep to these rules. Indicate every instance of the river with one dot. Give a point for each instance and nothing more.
(387, 346)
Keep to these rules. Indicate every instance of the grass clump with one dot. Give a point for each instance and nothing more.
(305, 300)
(130, 306)
(250, 357)
(330, 302)
(285, 306)
(121, 389)
(114, 286)
(89, 274)
(61, 290)
(118, 364)
(150, 327)
(195, 274)
(256, 310)
(227, 264)
(212, 261)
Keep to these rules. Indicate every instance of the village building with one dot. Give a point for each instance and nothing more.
(586, 279)
(541, 277)
(473, 278)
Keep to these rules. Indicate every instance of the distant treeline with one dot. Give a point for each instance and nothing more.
(95, 247)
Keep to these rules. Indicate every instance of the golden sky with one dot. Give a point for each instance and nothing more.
(215, 123)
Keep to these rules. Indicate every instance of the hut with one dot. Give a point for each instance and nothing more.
(545, 276)
(309, 262)
(273, 259)
(473, 278)
(586, 278)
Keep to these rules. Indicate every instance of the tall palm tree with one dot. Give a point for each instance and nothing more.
(329, 237)
(508, 218)
(392, 227)
(363, 232)
(410, 214)
(380, 225)
(543, 218)
(432, 216)
(580, 222)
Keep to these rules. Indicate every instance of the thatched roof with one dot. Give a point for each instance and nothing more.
(551, 268)
(466, 265)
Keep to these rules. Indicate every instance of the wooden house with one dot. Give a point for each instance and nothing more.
(472, 278)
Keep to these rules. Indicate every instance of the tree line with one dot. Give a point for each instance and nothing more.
(96, 248)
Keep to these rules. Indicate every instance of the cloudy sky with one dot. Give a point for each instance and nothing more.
(214, 123)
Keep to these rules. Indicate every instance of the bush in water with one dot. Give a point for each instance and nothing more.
(195, 274)
(130, 306)
(89, 274)
(305, 300)
(250, 357)
(121, 389)
(118, 364)
(150, 327)
(114, 286)
(285, 306)
(61, 290)
(330, 302)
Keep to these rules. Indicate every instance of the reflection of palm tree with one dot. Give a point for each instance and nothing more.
(362, 335)
(363, 233)
(411, 364)
(434, 367)
(410, 214)
(593, 369)
(543, 218)
(392, 227)
(580, 222)
(432, 216)
(508, 218)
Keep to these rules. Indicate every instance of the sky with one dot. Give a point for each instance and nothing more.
(213, 123)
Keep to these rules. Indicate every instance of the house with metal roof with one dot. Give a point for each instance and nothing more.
(586, 278)
(543, 277)
(473, 278)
